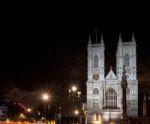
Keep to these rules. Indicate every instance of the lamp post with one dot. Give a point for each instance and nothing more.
(45, 97)
(29, 110)
(75, 94)
(28, 114)
(124, 86)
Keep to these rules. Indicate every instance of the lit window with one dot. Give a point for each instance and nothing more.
(111, 99)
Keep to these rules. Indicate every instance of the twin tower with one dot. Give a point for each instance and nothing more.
(104, 93)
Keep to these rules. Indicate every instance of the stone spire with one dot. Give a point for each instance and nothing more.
(120, 40)
(133, 38)
(89, 39)
(102, 40)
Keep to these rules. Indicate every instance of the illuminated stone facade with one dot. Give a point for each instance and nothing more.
(104, 93)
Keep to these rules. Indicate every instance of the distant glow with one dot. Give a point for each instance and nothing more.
(96, 122)
(69, 91)
(111, 122)
(52, 122)
(22, 115)
(42, 118)
(74, 88)
(76, 112)
(97, 119)
(28, 110)
(38, 112)
(45, 97)
(79, 93)
(7, 120)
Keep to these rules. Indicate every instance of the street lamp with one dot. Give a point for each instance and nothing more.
(28, 114)
(22, 116)
(45, 97)
(124, 85)
(28, 110)
(76, 112)
(75, 94)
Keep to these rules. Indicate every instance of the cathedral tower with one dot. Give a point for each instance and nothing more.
(126, 56)
(104, 93)
(95, 78)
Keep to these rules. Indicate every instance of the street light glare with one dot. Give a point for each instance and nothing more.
(74, 88)
(79, 93)
(76, 112)
(75, 95)
(45, 96)
(28, 110)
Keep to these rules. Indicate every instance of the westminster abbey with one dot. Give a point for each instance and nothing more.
(104, 92)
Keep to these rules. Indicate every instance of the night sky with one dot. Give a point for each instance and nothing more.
(50, 52)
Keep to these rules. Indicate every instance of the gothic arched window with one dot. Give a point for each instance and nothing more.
(126, 60)
(95, 61)
(96, 91)
(111, 99)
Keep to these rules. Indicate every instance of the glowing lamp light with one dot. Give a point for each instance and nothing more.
(76, 112)
(28, 110)
(74, 88)
(45, 97)
(22, 115)
(79, 93)
(42, 118)
(96, 119)
(7, 120)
